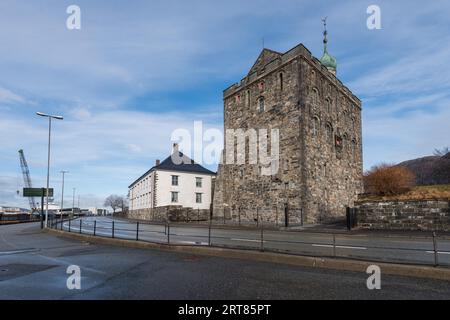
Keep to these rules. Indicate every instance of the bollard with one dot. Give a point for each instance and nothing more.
(81, 222)
(239, 212)
(137, 231)
(112, 232)
(62, 221)
(198, 214)
(436, 260)
(95, 228)
(334, 245)
(69, 223)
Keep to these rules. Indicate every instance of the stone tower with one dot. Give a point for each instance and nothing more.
(320, 143)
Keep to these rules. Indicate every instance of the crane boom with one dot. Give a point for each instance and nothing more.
(27, 179)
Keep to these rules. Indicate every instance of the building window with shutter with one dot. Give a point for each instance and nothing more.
(174, 180)
(174, 197)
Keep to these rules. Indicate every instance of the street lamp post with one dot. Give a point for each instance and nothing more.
(50, 117)
(62, 191)
(73, 202)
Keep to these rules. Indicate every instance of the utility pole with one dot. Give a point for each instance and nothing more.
(62, 191)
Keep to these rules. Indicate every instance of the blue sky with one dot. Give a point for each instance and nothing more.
(137, 70)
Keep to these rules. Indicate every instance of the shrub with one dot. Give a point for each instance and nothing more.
(386, 179)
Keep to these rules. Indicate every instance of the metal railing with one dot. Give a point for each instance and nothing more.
(424, 250)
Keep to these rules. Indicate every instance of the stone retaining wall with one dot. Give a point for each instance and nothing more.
(426, 215)
(171, 213)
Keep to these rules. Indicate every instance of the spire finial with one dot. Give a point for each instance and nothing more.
(327, 60)
(325, 40)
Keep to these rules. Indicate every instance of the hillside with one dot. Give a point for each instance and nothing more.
(430, 170)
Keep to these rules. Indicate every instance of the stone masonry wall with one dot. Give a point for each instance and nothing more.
(319, 121)
(171, 213)
(426, 215)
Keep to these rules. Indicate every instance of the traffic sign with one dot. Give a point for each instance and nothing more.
(37, 192)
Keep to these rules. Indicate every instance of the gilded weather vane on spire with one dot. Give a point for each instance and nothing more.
(327, 60)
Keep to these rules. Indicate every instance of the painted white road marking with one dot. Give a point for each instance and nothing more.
(249, 240)
(440, 252)
(340, 247)
(192, 242)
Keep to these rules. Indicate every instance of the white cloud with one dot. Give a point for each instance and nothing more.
(7, 96)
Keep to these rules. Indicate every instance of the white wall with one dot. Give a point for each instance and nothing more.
(141, 193)
(186, 189)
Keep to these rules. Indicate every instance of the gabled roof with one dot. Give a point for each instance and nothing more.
(263, 59)
(186, 165)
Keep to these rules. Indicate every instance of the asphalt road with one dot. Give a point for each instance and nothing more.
(403, 249)
(33, 266)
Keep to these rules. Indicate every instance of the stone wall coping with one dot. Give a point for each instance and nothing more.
(362, 202)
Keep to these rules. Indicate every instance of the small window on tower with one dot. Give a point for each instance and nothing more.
(281, 81)
(315, 126)
(261, 86)
(238, 98)
(261, 107)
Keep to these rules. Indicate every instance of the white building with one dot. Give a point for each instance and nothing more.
(187, 185)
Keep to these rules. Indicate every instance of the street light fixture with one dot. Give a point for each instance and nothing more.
(50, 117)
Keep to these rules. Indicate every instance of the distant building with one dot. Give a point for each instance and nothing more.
(168, 185)
(97, 211)
(13, 210)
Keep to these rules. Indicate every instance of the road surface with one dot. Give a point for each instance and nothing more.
(33, 266)
(403, 249)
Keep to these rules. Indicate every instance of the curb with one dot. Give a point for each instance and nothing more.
(295, 260)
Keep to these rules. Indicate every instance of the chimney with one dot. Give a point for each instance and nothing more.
(175, 148)
(158, 162)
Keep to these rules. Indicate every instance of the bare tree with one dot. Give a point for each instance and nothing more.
(441, 152)
(114, 201)
(124, 204)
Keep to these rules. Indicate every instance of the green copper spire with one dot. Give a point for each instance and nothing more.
(327, 60)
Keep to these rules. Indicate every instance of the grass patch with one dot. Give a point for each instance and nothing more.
(417, 193)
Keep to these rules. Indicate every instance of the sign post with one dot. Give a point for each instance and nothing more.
(38, 192)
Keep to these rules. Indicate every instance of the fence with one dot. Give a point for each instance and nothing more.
(424, 250)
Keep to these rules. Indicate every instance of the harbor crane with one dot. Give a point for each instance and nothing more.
(27, 180)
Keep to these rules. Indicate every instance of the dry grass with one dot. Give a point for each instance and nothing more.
(417, 193)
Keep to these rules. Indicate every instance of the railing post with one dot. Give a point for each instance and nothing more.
(436, 260)
(137, 231)
(81, 222)
(239, 213)
(112, 235)
(334, 245)
(209, 232)
(198, 215)
(62, 221)
(262, 235)
(168, 233)
(257, 216)
(95, 228)
(69, 223)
